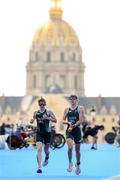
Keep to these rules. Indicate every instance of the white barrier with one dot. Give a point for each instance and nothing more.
(3, 144)
(114, 178)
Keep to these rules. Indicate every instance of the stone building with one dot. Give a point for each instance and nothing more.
(55, 58)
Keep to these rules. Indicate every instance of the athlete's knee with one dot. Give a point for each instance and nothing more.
(96, 137)
(39, 147)
(70, 147)
(46, 146)
(70, 143)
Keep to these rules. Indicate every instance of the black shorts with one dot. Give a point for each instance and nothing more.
(43, 137)
(75, 135)
(89, 132)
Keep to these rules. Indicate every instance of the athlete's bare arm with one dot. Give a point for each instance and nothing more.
(64, 116)
(33, 119)
(53, 117)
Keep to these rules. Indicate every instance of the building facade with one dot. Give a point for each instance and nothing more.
(55, 58)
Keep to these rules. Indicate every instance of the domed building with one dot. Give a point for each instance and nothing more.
(55, 58)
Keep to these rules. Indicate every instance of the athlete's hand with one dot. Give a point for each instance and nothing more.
(45, 117)
(73, 126)
(70, 127)
(31, 121)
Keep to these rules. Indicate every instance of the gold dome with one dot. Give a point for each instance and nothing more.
(56, 32)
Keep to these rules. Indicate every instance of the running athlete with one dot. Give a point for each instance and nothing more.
(44, 120)
(74, 116)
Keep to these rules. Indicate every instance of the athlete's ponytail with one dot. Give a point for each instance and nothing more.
(42, 100)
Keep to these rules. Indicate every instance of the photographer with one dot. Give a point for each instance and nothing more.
(89, 131)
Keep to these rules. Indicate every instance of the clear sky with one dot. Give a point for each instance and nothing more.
(97, 24)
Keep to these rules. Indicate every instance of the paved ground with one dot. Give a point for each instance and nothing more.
(95, 164)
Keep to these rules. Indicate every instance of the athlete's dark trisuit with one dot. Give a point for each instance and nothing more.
(72, 117)
(43, 127)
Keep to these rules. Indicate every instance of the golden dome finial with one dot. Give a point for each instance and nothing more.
(56, 3)
(55, 12)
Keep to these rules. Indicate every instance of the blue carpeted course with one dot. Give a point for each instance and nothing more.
(98, 164)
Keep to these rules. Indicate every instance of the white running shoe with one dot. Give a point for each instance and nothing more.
(45, 162)
(69, 169)
(77, 171)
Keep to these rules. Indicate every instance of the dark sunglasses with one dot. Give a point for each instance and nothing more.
(72, 99)
(41, 104)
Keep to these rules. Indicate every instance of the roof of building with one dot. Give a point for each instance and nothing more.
(22, 103)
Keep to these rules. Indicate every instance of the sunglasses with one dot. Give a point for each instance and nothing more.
(72, 99)
(41, 104)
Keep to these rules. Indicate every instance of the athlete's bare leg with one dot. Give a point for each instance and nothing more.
(94, 145)
(77, 149)
(46, 150)
(70, 149)
(39, 155)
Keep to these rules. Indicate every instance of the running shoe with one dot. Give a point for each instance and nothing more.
(94, 148)
(77, 171)
(39, 171)
(45, 162)
(69, 169)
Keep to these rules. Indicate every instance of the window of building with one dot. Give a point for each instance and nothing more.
(62, 81)
(36, 56)
(62, 58)
(48, 56)
(74, 57)
(75, 82)
(48, 81)
(34, 81)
